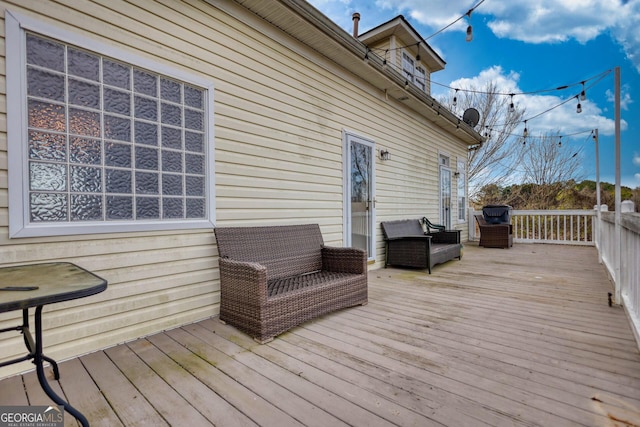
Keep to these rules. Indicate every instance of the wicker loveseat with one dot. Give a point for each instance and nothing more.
(274, 278)
(407, 245)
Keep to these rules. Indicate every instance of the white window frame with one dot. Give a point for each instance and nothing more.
(408, 66)
(16, 26)
(347, 137)
(462, 191)
(421, 78)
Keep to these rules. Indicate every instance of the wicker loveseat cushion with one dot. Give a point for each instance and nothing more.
(299, 283)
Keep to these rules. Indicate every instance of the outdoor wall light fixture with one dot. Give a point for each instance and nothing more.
(385, 155)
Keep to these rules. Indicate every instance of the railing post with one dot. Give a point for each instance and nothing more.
(472, 224)
(618, 229)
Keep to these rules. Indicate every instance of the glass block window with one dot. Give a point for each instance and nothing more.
(109, 141)
(104, 142)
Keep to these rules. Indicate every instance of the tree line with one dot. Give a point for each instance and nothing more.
(553, 196)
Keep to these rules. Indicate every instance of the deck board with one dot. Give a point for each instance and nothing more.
(505, 337)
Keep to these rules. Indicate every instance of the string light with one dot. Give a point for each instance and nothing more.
(579, 107)
(533, 92)
(525, 133)
(599, 78)
(469, 28)
(469, 34)
(560, 141)
(580, 96)
(454, 22)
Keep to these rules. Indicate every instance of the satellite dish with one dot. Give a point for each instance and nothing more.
(471, 117)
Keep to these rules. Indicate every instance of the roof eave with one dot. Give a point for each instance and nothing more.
(330, 40)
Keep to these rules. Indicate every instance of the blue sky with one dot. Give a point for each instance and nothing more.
(528, 46)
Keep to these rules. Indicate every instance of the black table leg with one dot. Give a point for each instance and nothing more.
(28, 341)
(39, 359)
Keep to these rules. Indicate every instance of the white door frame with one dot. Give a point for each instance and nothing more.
(347, 138)
(445, 217)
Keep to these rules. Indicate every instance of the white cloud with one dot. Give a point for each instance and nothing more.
(636, 159)
(507, 82)
(540, 21)
(545, 112)
(625, 97)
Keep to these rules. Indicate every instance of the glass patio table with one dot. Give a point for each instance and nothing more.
(36, 285)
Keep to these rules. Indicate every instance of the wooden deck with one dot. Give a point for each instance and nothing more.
(522, 336)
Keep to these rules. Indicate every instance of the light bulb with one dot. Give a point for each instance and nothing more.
(579, 108)
(469, 33)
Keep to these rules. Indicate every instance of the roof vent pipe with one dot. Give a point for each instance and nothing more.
(356, 18)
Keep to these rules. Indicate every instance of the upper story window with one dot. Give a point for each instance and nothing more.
(408, 66)
(414, 72)
(101, 142)
(421, 78)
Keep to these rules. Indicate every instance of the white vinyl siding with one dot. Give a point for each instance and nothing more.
(280, 110)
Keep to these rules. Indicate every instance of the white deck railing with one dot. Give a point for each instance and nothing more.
(621, 257)
(562, 227)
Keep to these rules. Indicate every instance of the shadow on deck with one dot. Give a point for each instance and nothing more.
(520, 336)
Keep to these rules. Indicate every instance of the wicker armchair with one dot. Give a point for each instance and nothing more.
(494, 235)
(275, 278)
